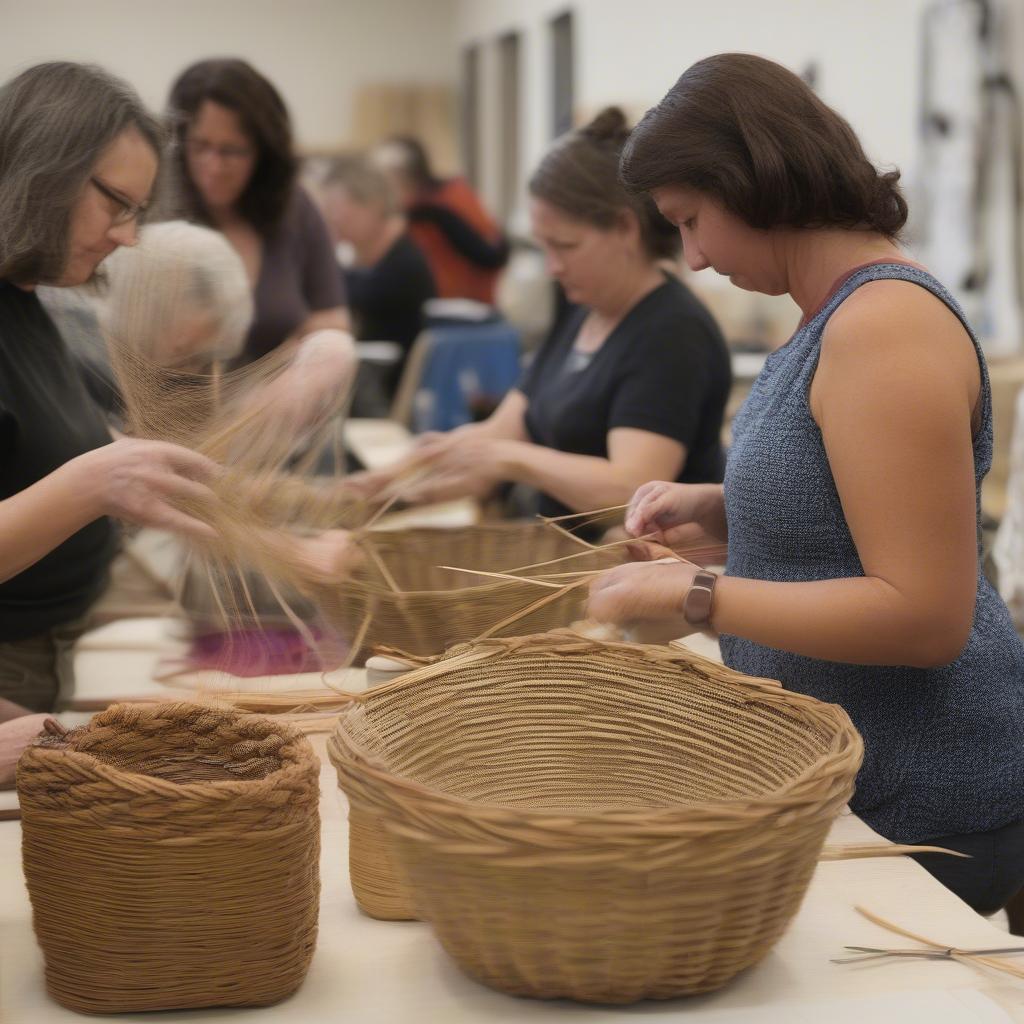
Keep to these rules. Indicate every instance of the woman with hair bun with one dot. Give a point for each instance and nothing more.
(851, 495)
(631, 385)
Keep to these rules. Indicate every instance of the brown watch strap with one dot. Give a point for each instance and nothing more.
(699, 598)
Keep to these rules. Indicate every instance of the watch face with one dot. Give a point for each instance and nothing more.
(697, 606)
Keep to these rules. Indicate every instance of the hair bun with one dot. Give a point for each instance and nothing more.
(610, 125)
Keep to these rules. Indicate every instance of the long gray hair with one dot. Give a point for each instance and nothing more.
(56, 120)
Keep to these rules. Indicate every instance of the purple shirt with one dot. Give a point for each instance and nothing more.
(298, 276)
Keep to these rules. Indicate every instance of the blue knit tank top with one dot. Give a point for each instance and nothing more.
(944, 747)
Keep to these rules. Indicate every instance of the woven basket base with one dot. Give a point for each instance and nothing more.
(621, 937)
(375, 879)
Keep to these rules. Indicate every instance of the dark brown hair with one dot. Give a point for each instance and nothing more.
(580, 176)
(415, 161)
(55, 122)
(236, 85)
(755, 136)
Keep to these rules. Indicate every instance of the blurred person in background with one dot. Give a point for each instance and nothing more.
(465, 247)
(633, 382)
(234, 170)
(389, 279)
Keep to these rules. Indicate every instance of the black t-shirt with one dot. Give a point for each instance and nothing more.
(387, 298)
(664, 368)
(46, 419)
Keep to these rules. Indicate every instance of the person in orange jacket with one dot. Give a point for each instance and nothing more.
(464, 246)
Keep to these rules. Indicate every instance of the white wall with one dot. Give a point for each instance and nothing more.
(315, 51)
(630, 51)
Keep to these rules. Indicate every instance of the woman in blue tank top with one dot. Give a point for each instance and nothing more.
(851, 498)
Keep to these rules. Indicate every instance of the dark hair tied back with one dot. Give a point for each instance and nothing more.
(610, 126)
(755, 136)
(580, 176)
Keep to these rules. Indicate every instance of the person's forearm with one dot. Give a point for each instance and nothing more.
(337, 318)
(580, 482)
(38, 519)
(464, 238)
(860, 620)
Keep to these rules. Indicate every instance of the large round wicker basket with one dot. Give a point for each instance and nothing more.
(402, 597)
(604, 822)
(171, 855)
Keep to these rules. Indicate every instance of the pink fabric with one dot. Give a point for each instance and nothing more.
(267, 652)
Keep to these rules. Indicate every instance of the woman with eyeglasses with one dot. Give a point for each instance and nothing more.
(78, 158)
(235, 171)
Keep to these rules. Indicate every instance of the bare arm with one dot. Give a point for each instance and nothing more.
(336, 318)
(134, 480)
(40, 518)
(583, 482)
(894, 394)
(474, 459)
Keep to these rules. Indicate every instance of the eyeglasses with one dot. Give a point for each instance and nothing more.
(199, 148)
(125, 210)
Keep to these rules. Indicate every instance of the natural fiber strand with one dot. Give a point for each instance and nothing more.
(960, 955)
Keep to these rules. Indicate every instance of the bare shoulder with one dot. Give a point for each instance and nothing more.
(898, 336)
(900, 316)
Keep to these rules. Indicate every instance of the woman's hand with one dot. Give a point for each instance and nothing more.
(680, 516)
(15, 735)
(644, 598)
(454, 465)
(145, 483)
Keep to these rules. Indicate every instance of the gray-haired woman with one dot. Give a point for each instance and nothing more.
(78, 158)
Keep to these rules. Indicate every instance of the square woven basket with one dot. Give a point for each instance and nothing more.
(604, 822)
(171, 853)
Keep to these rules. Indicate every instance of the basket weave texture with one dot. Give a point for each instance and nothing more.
(171, 853)
(604, 822)
(413, 604)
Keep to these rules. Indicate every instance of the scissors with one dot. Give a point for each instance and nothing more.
(870, 953)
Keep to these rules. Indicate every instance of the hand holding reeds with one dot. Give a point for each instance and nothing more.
(686, 518)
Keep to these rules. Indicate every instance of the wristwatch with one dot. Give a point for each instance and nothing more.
(698, 600)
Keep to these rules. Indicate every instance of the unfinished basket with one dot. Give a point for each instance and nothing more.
(604, 822)
(171, 855)
(401, 597)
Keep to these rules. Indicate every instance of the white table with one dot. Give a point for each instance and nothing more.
(376, 442)
(371, 972)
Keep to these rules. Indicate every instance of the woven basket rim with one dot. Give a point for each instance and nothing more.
(298, 754)
(845, 744)
(723, 813)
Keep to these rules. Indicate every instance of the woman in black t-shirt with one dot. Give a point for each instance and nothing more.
(630, 387)
(389, 279)
(78, 157)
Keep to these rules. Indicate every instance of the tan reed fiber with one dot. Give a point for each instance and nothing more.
(171, 854)
(964, 956)
(602, 821)
(422, 608)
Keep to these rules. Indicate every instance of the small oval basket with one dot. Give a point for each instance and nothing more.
(171, 853)
(604, 822)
